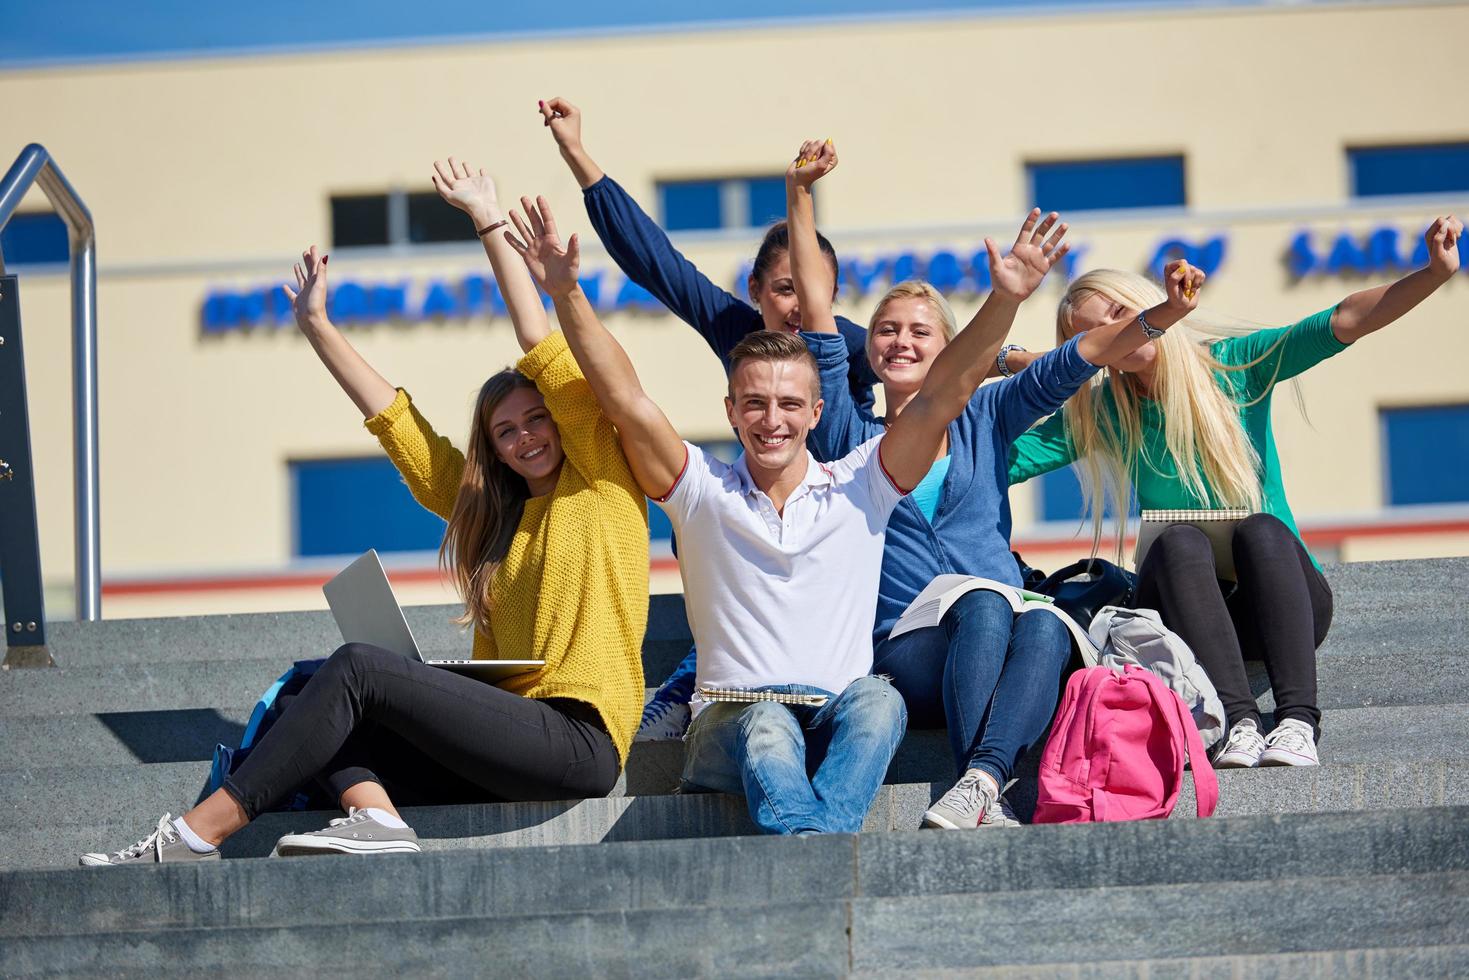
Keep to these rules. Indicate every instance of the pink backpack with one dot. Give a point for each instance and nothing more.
(1117, 750)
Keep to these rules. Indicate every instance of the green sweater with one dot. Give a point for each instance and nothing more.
(1155, 477)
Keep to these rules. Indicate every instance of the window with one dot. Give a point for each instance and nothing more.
(1093, 185)
(1423, 449)
(345, 506)
(431, 219)
(397, 218)
(738, 202)
(1429, 168)
(360, 219)
(1060, 497)
(34, 238)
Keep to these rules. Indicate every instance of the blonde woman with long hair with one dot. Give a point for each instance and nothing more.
(988, 676)
(1184, 423)
(547, 541)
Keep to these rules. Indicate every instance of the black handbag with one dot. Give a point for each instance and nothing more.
(1083, 587)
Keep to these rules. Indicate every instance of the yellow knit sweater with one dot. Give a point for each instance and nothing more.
(573, 589)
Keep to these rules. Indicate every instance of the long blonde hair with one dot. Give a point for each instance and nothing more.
(487, 509)
(1214, 458)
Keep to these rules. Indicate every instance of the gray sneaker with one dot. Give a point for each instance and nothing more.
(356, 833)
(962, 807)
(1000, 815)
(163, 845)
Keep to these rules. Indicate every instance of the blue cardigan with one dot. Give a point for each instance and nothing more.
(970, 533)
(645, 255)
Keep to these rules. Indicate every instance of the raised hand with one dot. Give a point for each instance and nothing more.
(1018, 274)
(564, 121)
(1442, 239)
(813, 161)
(1182, 281)
(471, 192)
(308, 299)
(554, 268)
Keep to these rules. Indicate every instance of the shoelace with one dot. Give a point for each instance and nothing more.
(1289, 737)
(1243, 737)
(162, 835)
(354, 815)
(657, 709)
(966, 795)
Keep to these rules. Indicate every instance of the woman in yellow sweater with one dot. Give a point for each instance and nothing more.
(547, 540)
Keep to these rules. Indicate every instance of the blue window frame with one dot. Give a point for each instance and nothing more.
(34, 238)
(1429, 168)
(767, 201)
(1423, 451)
(345, 506)
(1059, 497)
(736, 202)
(687, 205)
(1094, 185)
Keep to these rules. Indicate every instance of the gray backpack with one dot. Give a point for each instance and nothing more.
(1138, 637)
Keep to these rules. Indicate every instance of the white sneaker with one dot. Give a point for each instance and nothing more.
(664, 720)
(356, 833)
(1293, 743)
(963, 806)
(1244, 747)
(1000, 815)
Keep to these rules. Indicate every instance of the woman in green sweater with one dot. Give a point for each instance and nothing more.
(1191, 396)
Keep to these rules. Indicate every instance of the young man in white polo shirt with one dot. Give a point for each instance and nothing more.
(780, 554)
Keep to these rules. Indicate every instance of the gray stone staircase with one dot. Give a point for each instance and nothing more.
(1358, 868)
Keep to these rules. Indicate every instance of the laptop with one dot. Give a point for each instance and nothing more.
(366, 611)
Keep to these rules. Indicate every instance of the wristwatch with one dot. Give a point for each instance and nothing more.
(1005, 372)
(1149, 331)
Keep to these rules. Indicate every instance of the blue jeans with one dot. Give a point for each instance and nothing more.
(801, 769)
(992, 677)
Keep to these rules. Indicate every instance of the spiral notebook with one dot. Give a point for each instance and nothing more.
(740, 696)
(1218, 526)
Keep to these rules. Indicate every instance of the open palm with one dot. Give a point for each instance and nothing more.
(553, 267)
(459, 184)
(1020, 273)
(308, 299)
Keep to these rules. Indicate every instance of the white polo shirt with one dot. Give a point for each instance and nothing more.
(782, 598)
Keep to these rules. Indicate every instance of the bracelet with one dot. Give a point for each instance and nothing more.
(489, 228)
(1005, 371)
(1149, 331)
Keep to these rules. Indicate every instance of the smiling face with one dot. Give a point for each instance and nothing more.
(773, 405)
(1096, 310)
(774, 294)
(906, 335)
(526, 439)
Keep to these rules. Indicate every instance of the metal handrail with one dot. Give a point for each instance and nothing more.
(36, 166)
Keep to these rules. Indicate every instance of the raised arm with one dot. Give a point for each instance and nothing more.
(1111, 342)
(474, 194)
(810, 271)
(653, 449)
(564, 121)
(913, 438)
(641, 249)
(1372, 309)
(369, 391)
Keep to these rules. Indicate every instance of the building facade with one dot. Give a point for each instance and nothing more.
(1296, 152)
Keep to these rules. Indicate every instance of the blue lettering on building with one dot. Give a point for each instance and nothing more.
(1378, 252)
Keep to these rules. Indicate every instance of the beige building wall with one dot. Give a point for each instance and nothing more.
(206, 174)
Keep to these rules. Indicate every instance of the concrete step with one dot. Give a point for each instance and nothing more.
(47, 826)
(1404, 678)
(739, 871)
(1337, 964)
(821, 906)
(282, 637)
(190, 734)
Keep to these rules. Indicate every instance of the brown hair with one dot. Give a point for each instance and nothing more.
(777, 242)
(772, 345)
(487, 510)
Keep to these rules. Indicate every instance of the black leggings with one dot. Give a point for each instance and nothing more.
(1279, 612)
(427, 735)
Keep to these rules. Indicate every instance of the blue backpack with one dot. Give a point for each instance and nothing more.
(267, 711)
